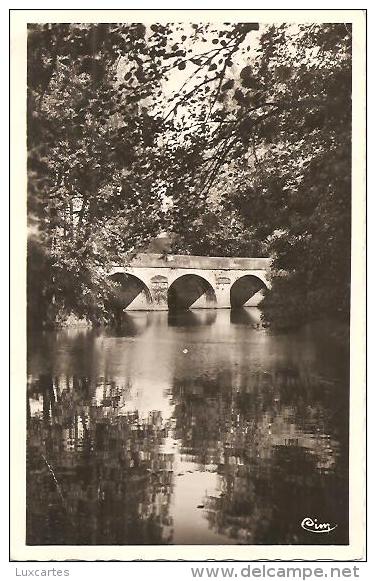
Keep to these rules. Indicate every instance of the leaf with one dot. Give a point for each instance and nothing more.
(228, 85)
(249, 26)
(248, 80)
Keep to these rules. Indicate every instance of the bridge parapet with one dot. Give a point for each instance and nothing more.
(199, 262)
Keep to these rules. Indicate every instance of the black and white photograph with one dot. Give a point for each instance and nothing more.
(189, 282)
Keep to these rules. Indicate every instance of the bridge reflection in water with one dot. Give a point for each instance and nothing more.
(186, 428)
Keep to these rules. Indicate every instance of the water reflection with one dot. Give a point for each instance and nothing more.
(130, 324)
(214, 432)
(191, 318)
(246, 316)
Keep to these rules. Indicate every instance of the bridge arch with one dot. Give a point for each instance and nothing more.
(247, 290)
(191, 291)
(131, 292)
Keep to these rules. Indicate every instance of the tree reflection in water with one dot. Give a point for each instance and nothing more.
(110, 484)
(182, 434)
(272, 450)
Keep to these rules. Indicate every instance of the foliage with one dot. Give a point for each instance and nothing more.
(300, 197)
(232, 144)
(99, 162)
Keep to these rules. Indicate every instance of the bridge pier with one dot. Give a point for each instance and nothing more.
(222, 292)
(159, 292)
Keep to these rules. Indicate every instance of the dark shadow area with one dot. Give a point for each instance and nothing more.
(243, 289)
(187, 289)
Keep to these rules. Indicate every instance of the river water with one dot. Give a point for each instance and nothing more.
(193, 428)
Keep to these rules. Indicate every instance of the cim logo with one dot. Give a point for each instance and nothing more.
(312, 526)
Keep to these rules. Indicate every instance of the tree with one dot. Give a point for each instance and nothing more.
(279, 159)
(249, 154)
(99, 161)
(300, 195)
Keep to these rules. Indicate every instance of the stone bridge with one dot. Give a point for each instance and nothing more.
(156, 282)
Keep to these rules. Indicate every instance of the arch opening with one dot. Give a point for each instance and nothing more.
(191, 291)
(247, 291)
(131, 293)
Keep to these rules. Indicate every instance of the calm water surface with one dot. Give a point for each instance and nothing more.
(192, 428)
